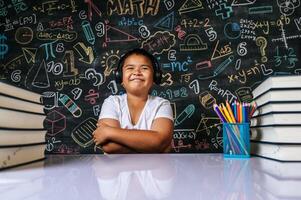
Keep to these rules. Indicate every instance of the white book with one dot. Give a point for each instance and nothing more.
(278, 95)
(281, 152)
(19, 119)
(280, 170)
(19, 155)
(18, 104)
(280, 82)
(277, 134)
(280, 188)
(276, 119)
(12, 137)
(19, 92)
(278, 107)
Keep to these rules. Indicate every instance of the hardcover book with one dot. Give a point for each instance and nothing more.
(280, 152)
(10, 118)
(13, 137)
(277, 118)
(288, 95)
(19, 104)
(277, 134)
(277, 82)
(20, 93)
(19, 155)
(278, 107)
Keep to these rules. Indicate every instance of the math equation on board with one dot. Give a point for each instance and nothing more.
(210, 51)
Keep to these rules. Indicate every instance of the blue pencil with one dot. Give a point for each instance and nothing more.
(243, 112)
(235, 111)
(247, 112)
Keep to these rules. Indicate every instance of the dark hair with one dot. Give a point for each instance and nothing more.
(155, 64)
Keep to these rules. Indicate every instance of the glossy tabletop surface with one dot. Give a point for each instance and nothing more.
(152, 176)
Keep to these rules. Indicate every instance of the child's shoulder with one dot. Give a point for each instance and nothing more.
(158, 100)
(116, 98)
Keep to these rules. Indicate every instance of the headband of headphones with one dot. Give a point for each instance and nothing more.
(155, 64)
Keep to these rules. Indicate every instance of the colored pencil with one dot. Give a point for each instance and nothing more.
(223, 114)
(238, 112)
(243, 107)
(227, 113)
(235, 110)
(241, 114)
(253, 108)
(219, 114)
(234, 114)
(230, 112)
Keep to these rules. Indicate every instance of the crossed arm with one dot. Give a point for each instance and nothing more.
(115, 139)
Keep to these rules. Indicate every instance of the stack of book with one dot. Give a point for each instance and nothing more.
(22, 133)
(276, 124)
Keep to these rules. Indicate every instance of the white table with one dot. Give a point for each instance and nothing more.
(152, 176)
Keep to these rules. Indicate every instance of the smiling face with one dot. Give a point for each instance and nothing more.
(137, 74)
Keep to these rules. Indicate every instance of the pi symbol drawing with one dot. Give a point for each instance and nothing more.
(3, 46)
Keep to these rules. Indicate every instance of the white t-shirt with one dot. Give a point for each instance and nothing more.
(116, 107)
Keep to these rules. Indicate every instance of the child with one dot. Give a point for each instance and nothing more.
(135, 122)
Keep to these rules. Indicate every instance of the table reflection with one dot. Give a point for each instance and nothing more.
(274, 180)
(152, 176)
(134, 176)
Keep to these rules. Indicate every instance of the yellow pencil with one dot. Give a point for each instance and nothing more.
(230, 112)
(221, 109)
(227, 113)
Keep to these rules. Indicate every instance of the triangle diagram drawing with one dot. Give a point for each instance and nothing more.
(242, 2)
(218, 51)
(29, 54)
(116, 35)
(191, 5)
(166, 23)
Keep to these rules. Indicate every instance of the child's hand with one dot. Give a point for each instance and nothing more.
(101, 134)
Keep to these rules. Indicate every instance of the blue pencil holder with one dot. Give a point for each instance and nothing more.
(236, 140)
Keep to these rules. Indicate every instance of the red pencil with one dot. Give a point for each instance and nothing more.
(253, 108)
(238, 112)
